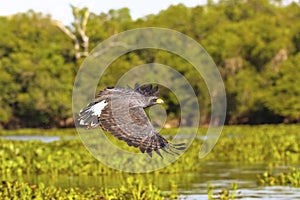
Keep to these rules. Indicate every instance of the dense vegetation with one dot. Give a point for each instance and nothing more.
(290, 178)
(131, 189)
(255, 44)
(269, 145)
(275, 145)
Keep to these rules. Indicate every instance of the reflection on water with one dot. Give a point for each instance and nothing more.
(222, 175)
(191, 185)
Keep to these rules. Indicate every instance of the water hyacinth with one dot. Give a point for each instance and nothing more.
(269, 145)
(290, 178)
(132, 189)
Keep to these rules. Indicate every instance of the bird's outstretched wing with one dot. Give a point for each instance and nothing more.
(90, 115)
(132, 125)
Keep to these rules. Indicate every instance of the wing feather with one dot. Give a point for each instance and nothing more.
(132, 125)
(126, 121)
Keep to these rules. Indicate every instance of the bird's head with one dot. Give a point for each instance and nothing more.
(153, 101)
(150, 94)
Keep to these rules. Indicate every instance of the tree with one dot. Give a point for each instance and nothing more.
(255, 45)
(283, 92)
(35, 64)
(77, 33)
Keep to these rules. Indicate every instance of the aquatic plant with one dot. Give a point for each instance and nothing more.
(290, 178)
(268, 144)
(132, 189)
(224, 194)
(273, 145)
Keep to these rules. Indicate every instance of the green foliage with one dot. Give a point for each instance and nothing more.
(290, 178)
(36, 81)
(269, 145)
(9, 91)
(255, 45)
(131, 189)
(283, 94)
(274, 145)
(242, 93)
(225, 194)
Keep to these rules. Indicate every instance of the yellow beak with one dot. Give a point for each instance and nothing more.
(159, 101)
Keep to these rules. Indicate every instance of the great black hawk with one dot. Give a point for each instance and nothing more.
(120, 111)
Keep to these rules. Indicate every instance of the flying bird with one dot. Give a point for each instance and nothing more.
(120, 111)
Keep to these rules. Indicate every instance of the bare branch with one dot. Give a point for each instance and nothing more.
(65, 29)
(79, 37)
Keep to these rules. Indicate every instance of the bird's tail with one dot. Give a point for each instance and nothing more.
(157, 142)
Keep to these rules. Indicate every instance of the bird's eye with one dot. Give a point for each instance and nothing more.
(154, 100)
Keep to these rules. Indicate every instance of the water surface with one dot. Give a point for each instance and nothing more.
(191, 185)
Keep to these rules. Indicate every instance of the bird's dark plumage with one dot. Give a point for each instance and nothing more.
(121, 112)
